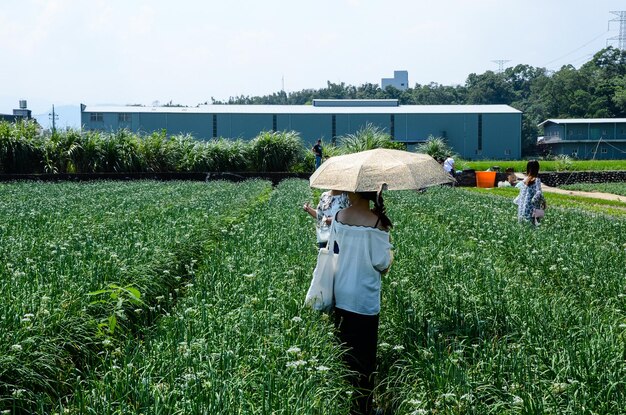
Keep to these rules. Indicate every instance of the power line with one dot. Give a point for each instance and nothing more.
(577, 49)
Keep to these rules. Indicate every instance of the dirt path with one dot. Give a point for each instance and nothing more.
(595, 195)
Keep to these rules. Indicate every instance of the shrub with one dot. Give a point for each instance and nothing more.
(20, 147)
(563, 162)
(154, 153)
(121, 152)
(367, 138)
(275, 151)
(436, 147)
(226, 155)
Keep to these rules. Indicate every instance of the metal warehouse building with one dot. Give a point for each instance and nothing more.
(473, 131)
(590, 138)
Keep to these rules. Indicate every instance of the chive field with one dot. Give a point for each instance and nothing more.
(615, 188)
(184, 298)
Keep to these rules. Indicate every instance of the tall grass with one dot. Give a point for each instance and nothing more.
(436, 147)
(275, 151)
(24, 149)
(367, 138)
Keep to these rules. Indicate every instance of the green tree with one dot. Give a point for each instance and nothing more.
(488, 88)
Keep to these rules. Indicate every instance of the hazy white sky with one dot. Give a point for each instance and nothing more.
(67, 52)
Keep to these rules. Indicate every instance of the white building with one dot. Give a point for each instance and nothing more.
(399, 81)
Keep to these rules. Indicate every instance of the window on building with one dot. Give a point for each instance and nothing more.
(274, 123)
(575, 153)
(124, 117)
(603, 132)
(96, 117)
(604, 150)
(214, 125)
(507, 152)
(392, 126)
(333, 127)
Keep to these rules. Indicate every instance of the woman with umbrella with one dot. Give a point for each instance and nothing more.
(362, 234)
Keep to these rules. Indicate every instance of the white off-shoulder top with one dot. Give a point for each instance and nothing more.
(363, 253)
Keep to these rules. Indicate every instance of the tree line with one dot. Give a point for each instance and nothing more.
(596, 90)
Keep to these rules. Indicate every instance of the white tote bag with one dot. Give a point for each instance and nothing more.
(320, 295)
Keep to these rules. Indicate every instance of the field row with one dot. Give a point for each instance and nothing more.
(136, 242)
(480, 314)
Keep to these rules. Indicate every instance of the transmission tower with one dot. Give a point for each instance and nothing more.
(501, 63)
(621, 38)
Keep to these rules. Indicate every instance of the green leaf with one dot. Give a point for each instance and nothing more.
(98, 292)
(112, 323)
(134, 292)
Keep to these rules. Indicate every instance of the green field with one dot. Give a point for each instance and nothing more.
(615, 188)
(582, 204)
(183, 298)
(545, 165)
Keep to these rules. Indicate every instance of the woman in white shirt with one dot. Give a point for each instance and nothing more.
(362, 235)
(330, 203)
(448, 165)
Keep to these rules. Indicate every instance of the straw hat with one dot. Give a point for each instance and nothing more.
(368, 171)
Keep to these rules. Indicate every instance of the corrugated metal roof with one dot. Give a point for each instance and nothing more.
(583, 121)
(355, 103)
(309, 109)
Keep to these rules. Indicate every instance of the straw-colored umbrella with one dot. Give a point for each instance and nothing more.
(368, 171)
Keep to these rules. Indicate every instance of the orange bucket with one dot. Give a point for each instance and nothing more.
(485, 179)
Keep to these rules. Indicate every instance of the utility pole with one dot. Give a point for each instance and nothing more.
(501, 63)
(621, 38)
(53, 116)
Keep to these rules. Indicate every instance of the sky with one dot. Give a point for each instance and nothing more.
(119, 52)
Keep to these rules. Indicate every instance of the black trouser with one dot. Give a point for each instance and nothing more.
(359, 334)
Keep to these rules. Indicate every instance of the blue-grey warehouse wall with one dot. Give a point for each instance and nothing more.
(471, 135)
(587, 140)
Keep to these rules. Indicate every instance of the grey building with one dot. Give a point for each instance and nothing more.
(473, 131)
(399, 81)
(590, 138)
(23, 113)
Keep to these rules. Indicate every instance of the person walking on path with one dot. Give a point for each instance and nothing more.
(364, 254)
(530, 196)
(318, 151)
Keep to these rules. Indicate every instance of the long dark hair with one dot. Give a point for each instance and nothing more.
(379, 207)
(532, 171)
